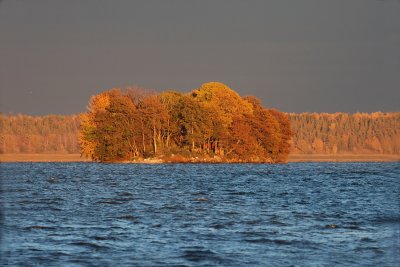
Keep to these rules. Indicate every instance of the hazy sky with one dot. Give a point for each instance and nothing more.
(296, 55)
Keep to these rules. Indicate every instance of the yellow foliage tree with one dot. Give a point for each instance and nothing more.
(225, 102)
(98, 103)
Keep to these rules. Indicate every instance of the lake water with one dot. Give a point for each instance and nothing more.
(298, 214)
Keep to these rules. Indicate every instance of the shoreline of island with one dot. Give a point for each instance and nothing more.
(20, 157)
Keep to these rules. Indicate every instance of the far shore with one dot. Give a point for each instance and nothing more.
(19, 157)
(343, 158)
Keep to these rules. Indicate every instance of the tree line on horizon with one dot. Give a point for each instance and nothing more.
(39, 134)
(341, 133)
(313, 133)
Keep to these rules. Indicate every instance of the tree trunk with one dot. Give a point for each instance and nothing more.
(192, 140)
(144, 146)
(154, 139)
(168, 134)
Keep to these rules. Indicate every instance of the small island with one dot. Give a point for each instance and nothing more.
(212, 123)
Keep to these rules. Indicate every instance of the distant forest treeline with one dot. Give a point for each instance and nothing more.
(39, 134)
(313, 133)
(323, 133)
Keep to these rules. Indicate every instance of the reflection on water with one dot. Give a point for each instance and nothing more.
(200, 215)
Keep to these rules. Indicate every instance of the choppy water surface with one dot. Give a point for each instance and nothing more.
(200, 215)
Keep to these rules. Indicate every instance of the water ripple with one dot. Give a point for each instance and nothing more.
(318, 214)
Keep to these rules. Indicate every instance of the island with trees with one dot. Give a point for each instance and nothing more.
(210, 124)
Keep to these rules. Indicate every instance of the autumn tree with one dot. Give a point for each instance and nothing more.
(171, 129)
(224, 105)
(285, 135)
(154, 119)
(107, 129)
(193, 120)
(267, 131)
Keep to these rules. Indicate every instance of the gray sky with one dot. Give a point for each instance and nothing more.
(297, 55)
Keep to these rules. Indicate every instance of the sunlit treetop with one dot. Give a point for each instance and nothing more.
(99, 102)
(224, 100)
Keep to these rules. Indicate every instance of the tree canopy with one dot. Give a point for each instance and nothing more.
(208, 123)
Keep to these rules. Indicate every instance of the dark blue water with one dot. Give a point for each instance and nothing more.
(299, 214)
